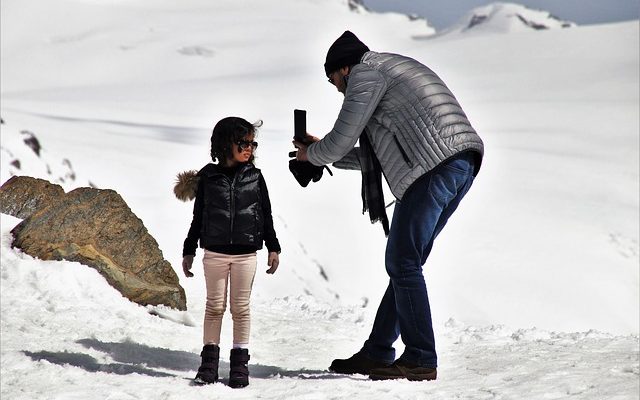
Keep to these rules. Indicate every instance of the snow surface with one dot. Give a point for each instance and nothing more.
(543, 303)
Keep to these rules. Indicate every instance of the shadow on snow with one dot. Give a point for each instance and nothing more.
(136, 358)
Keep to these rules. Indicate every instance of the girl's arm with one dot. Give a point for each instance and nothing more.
(270, 238)
(191, 242)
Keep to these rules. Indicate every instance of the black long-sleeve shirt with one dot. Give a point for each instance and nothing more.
(269, 236)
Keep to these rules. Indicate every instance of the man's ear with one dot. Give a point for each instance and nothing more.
(345, 71)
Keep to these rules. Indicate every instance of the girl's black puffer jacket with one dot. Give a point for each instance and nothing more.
(231, 211)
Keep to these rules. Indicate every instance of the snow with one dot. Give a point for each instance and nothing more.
(543, 302)
(66, 334)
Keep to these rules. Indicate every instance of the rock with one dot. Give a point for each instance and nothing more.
(96, 227)
(32, 141)
(21, 196)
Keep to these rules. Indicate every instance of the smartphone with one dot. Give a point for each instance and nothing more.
(300, 125)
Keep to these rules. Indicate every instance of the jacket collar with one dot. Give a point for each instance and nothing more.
(211, 169)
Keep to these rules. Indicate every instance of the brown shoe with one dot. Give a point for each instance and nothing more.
(401, 369)
(358, 363)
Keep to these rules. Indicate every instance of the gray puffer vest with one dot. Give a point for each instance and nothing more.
(413, 121)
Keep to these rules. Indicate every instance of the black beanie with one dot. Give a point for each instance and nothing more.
(345, 51)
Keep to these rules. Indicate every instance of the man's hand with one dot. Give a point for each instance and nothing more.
(273, 262)
(187, 262)
(301, 154)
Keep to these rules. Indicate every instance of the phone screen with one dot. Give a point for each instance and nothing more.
(300, 125)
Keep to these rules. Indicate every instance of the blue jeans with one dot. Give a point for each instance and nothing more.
(417, 220)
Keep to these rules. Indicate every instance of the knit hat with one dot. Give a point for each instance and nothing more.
(345, 51)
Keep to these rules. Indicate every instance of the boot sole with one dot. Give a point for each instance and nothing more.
(202, 382)
(354, 372)
(349, 372)
(409, 376)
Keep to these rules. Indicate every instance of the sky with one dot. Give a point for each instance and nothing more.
(443, 13)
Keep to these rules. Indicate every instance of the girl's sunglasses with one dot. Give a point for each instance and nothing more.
(243, 144)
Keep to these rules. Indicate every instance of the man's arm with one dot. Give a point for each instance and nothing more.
(364, 91)
(350, 161)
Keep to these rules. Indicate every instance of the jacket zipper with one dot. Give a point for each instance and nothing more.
(233, 206)
(404, 154)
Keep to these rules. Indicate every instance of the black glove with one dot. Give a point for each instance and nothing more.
(305, 172)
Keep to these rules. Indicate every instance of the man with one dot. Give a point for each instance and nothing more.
(411, 129)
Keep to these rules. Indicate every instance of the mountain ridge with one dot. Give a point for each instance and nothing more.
(505, 17)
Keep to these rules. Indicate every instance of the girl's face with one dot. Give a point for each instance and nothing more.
(242, 150)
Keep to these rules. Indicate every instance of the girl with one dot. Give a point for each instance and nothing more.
(231, 219)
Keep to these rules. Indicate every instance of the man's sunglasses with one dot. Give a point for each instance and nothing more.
(243, 144)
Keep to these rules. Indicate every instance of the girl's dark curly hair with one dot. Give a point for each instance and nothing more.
(227, 132)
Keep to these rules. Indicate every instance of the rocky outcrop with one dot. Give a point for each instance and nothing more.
(21, 196)
(96, 227)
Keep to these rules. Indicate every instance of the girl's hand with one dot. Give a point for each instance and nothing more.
(187, 262)
(273, 262)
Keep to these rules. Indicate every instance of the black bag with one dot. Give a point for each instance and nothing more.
(305, 172)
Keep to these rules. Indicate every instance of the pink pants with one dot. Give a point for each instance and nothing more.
(219, 269)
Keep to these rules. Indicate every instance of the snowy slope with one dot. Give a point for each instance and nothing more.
(66, 334)
(544, 301)
(23, 154)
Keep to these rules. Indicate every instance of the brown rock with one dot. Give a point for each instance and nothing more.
(96, 227)
(21, 196)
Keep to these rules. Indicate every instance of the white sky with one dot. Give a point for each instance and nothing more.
(442, 13)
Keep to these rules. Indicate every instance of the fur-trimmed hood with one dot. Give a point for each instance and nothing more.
(186, 185)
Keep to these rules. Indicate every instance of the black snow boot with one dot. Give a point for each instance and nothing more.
(208, 371)
(358, 363)
(239, 373)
